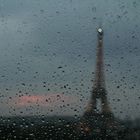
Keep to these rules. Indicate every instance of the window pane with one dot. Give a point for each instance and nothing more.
(69, 69)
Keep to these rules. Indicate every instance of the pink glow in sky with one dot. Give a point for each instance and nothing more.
(43, 104)
(49, 100)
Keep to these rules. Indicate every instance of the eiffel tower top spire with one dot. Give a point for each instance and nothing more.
(99, 73)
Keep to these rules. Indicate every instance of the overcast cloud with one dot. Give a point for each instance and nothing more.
(49, 46)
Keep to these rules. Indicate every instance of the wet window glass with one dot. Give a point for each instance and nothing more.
(69, 70)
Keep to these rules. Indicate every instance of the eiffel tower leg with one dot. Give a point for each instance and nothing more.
(105, 106)
(94, 103)
(91, 108)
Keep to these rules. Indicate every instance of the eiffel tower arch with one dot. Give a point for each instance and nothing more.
(103, 122)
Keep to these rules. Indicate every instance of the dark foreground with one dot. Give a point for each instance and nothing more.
(55, 128)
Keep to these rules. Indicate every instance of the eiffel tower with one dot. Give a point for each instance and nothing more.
(95, 122)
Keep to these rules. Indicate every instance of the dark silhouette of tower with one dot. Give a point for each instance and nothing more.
(99, 89)
(95, 122)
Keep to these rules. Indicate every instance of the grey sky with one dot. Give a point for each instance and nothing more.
(55, 42)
